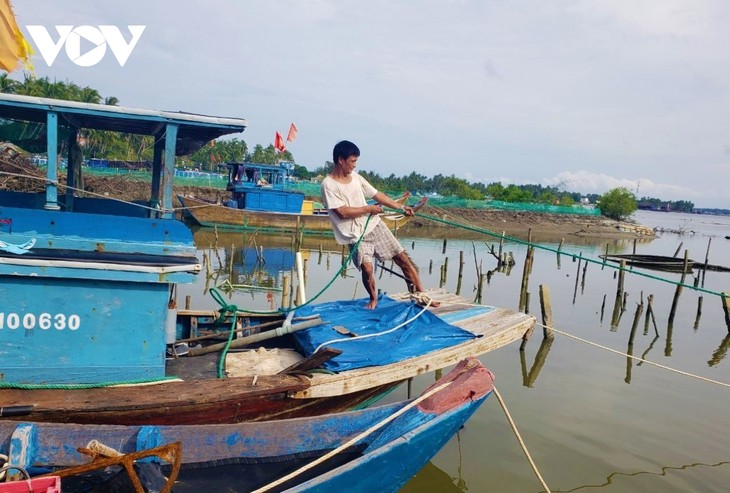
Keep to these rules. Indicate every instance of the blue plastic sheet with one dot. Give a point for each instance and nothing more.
(425, 334)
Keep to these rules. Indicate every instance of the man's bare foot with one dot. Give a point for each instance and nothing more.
(371, 305)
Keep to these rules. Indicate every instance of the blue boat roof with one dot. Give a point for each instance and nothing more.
(193, 130)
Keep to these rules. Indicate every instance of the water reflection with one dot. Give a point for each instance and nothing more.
(431, 479)
(529, 378)
(720, 352)
(611, 478)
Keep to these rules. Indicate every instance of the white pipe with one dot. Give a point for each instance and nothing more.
(300, 276)
(72, 264)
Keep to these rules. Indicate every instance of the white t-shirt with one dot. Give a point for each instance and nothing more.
(353, 194)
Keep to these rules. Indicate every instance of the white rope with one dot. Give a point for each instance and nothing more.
(378, 333)
(3, 461)
(353, 441)
(637, 358)
(519, 439)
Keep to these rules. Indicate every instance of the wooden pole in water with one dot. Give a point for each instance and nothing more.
(446, 268)
(618, 302)
(726, 308)
(577, 276)
(678, 291)
(583, 277)
(285, 291)
(678, 249)
(605, 257)
(430, 267)
(525, 279)
(650, 312)
(443, 249)
(560, 247)
(634, 251)
(461, 272)
(699, 313)
(547, 312)
(603, 306)
(707, 258)
(501, 244)
(637, 316)
(480, 285)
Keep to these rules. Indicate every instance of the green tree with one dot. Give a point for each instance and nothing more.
(8, 85)
(618, 203)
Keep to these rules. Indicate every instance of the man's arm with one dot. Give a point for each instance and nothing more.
(347, 212)
(383, 199)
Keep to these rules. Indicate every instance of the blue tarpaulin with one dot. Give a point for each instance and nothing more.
(425, 334)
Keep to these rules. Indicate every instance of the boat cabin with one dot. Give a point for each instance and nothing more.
(262, 187)
(85, 279)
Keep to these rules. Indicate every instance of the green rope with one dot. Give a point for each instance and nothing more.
(553, 250)
(75, 386)
(225, 308)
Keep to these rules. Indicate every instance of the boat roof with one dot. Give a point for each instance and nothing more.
(272, 167)
(193, 130)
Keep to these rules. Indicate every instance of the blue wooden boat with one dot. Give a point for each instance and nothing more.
(375, 449)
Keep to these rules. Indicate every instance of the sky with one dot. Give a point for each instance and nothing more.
(582, 95)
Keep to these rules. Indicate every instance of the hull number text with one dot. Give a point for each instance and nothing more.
(43, 321)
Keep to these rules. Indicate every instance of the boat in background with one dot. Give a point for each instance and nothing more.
(662, 262)
(261, 200)
(375, 449)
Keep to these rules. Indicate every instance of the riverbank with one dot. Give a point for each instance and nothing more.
(519, 224)
(22, 176)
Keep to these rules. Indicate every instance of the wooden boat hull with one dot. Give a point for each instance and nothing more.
(663, 263)
(211, 215)
(279, 396)
(375, 449)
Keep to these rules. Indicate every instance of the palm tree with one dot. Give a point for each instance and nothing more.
(8, 85)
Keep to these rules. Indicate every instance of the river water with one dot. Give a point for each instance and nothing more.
(590, 418)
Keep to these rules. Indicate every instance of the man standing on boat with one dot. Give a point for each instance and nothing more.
(345, 194)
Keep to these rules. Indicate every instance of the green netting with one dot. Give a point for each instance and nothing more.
(551, 209)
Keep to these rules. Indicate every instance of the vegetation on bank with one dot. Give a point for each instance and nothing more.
(137, 148)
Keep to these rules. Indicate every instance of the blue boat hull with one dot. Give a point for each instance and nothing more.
(83, 297)
(375, 449)
(388, 469)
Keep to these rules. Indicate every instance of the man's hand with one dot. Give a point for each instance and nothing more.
(408, 210)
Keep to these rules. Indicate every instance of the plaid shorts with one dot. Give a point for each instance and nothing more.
(379, 243)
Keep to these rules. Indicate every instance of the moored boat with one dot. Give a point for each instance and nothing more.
(256, 386)
(662, 262)
(375, 449)
(235, 215)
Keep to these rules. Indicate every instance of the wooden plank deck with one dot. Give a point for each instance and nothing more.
(496, 327)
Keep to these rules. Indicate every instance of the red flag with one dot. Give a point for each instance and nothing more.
(292, 133)
(279, 142)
